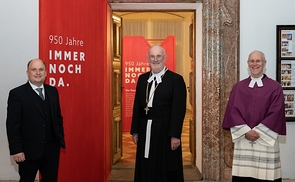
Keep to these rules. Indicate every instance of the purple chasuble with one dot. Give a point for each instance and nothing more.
(252, 106)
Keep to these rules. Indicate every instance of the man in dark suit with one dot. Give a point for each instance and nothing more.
(158, 114)
(35, 126)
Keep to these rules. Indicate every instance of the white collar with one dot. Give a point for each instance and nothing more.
(34, 86)
(256, 80)
(157, 75)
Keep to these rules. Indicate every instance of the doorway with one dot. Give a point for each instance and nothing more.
(186, 66)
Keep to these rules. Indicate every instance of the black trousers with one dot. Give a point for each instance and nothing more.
(47, 165)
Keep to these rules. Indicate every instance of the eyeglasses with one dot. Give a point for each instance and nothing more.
(153, 57)
(258, 61)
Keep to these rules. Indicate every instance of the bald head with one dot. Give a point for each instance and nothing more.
(158, 49)
(257, 52)
(36, 59)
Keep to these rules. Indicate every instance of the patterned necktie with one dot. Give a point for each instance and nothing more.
(40, 93)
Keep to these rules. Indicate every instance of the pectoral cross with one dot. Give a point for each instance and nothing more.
(146, 110)
(252, 143)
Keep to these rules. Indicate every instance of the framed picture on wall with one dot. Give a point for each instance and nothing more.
(286, 66)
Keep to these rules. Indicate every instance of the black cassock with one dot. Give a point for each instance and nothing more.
(167, 114)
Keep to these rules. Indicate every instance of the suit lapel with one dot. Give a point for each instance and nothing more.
(35, 98)
(51, 99)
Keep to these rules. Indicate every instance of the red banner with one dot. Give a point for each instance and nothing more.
(73, 44)
(135, 52)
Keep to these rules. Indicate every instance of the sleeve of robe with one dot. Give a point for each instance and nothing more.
(233, 116)
(267, 136)
(178, 107)
(136, 106)
(275, 119)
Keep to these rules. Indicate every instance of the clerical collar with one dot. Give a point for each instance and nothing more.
(256, 80)
(157, 75)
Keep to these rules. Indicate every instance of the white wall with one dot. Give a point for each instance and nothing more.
(258, 32)
(18, 44)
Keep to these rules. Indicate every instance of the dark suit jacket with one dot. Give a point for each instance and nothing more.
(26, 122)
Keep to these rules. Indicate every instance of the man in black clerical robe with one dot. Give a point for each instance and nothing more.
(158, 114)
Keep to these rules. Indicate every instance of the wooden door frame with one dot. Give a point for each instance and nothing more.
(117, 147)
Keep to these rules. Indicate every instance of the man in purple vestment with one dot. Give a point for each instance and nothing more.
(255, 115)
